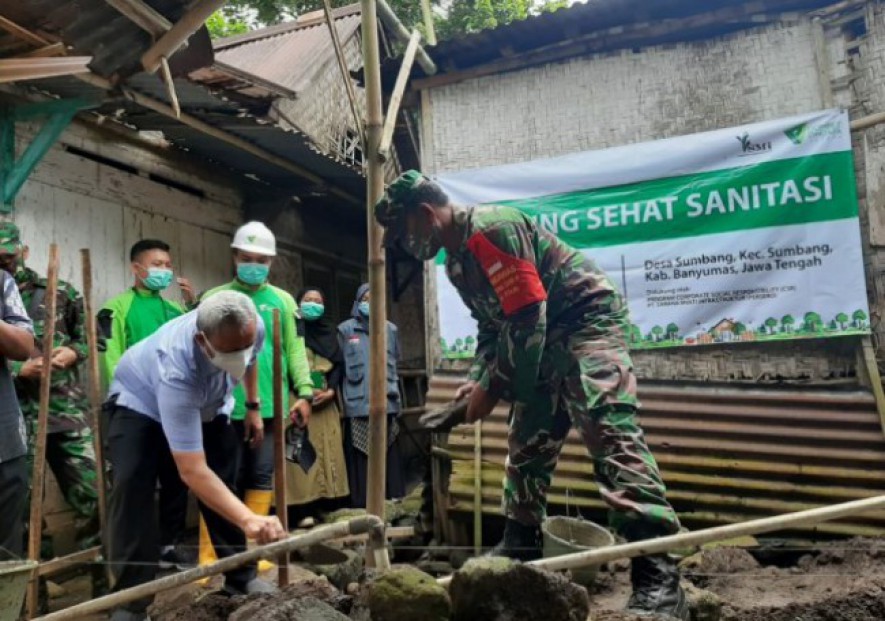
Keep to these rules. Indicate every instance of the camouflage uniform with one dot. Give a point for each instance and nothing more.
(552, 342)
(69, 443)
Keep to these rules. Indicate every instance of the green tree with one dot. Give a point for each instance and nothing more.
(813, 322)
(657, 331)
(443, 345)
(672, 331)
(635, 334)
(739, 329)
(470, 343)
(771, 324)
(451, 18)
(459, 344)
(226, 23)
(842, 320)
(788, 322)
(859, 318)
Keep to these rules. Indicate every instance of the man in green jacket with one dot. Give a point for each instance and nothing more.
(254, 247)
(124, 321)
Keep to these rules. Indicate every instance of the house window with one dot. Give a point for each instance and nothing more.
(350, 147)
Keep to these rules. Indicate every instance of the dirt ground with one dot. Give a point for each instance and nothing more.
(840, 581)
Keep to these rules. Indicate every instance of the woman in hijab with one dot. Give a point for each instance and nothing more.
(353, 337)
(323, 486)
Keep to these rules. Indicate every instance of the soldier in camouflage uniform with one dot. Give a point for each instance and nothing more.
(551, 342)
(69, 448)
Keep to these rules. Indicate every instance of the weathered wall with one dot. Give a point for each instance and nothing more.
(790, 67)
(80, 203)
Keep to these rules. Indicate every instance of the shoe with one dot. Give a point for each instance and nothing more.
(255, 585)
(656, 589)
(520, 542)
(121, 614)
(176, 557)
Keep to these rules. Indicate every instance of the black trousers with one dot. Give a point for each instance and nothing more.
(173, 501)
(256, 465)
(137, 446)
(13, 498)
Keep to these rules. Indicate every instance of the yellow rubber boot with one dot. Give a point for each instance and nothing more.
(259, 501)
(207, 550)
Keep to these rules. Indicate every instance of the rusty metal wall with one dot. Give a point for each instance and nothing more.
(727, 454)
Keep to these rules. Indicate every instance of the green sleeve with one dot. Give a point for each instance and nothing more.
(295, 352)
(486, 343)
(115, 343)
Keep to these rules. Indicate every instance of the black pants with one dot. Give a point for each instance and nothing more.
(173, 501)
(13, 499)
(256, 465)
(136, 447)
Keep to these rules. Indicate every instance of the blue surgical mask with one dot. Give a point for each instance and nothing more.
(363, 308)
(252, 273)
(158, 278)
(312, 311)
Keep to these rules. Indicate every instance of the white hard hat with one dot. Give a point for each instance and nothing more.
(255, 237)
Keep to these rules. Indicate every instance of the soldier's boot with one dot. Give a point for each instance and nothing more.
(520, 542)
(259, 502)
(207, 550)
(656, 589)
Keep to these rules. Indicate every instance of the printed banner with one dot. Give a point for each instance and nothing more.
(734, 235)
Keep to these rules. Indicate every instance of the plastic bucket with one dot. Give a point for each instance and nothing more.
(566, 535)
(14, 576)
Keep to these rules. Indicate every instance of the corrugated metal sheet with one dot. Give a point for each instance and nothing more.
(289, 54)
(544, 31)
(727, 454)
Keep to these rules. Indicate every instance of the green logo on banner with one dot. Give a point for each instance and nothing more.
(798, 134)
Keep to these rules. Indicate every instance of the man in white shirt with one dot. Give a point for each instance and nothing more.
(171, 397)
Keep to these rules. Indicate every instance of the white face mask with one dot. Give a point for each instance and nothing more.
(233, 363)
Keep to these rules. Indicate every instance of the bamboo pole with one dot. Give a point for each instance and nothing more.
(402, 34)
(38, 475)
(95, 398)
(377, 285)
(366, 524)
(663, 545)
(477, 487)
(279, 444)
(396, 98)
(345, 75)
(429, 29)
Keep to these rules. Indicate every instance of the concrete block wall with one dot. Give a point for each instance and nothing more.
(596, 102)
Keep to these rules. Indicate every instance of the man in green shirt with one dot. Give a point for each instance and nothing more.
(254, 247)
(124, 321)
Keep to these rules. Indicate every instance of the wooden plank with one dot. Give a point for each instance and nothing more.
(60, 564)
(143, 16)
(53, 49)
(396, 98)
(22, 33)
(38, 475)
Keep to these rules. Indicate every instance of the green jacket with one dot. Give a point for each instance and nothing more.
(295, 366)
(127, 319)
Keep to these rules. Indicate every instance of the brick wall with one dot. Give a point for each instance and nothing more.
(775, 70)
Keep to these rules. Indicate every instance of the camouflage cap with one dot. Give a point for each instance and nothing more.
(10, 237)
(393, 203)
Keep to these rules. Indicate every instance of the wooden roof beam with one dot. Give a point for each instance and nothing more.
(396, 98)
(22, 33)
(142, 15)
(177, 36)
(227, 137)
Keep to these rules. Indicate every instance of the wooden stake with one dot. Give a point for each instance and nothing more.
(429, 29)
(95, 396)
(871, 366)
(377, 474)
(279, 444)
(477, 487)
(402, 79)
(39, 473)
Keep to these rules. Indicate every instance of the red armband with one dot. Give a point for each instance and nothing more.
(516, 281)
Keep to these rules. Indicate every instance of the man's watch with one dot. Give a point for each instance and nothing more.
(253, 406)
